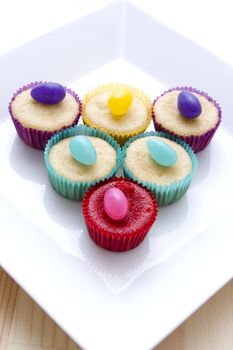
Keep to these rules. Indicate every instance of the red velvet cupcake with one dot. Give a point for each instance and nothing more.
(119, 213)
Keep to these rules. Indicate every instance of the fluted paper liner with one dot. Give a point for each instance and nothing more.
(197, 142)
(115, 242)
(34, 137)
(164, 194)
(121, 137)
(75, 190)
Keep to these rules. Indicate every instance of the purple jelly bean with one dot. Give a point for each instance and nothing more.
(188, 105)
(48, 93)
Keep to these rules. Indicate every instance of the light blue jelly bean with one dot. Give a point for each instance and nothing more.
(161, 152)
(83, 150)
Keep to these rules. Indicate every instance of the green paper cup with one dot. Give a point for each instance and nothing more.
(75, 190)
(164, 194)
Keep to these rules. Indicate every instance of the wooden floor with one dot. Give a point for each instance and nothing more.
(24, 326)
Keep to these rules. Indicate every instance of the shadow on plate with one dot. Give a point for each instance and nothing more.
(170, 218)
(117, 269)
(203, 168)
(27, 162)
(63, 211)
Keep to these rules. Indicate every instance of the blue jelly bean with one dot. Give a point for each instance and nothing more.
(161, 152)
(48, 93)
(82, 150)
(188, 105)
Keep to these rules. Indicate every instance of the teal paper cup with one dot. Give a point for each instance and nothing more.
(164, 194)
(75, 190)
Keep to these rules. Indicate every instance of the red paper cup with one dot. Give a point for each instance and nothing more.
(125, 234)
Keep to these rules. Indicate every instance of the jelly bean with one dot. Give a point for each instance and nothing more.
(161, 152)
(120, 101)
(82, 150)
(115, 204)
(48, 93)
(188, 105)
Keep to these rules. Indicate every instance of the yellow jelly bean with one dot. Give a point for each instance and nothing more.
(120, 101)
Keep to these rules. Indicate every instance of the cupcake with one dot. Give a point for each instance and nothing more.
(118, 213)
(39, 110)
(189, 114)
(161, 162)
(118, 109)
(78, 157)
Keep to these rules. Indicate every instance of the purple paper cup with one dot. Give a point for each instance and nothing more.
(34, 137)
(196, 142)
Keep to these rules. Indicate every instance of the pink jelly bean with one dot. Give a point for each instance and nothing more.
(115, 204)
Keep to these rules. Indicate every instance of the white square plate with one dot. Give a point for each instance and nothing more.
(105, 300)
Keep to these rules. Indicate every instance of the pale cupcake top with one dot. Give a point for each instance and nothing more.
(171, 117)
(139, 160)
(82, 158)
(33, 108)
(117, 109)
